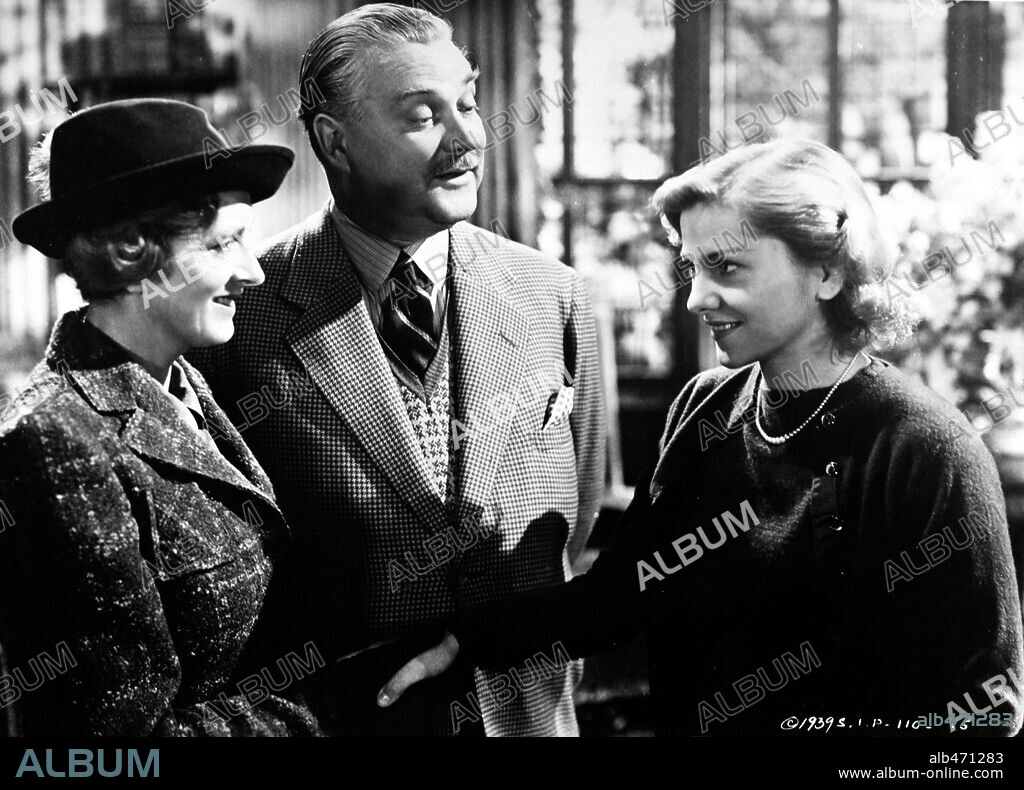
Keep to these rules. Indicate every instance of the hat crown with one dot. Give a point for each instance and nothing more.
(117, 138)
(119, 160)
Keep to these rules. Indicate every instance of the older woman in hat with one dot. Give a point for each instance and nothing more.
(822, 545)
(143, 528)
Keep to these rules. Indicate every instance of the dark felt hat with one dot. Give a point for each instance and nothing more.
(117, 160)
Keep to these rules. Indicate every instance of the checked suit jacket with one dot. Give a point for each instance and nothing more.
(377, 554)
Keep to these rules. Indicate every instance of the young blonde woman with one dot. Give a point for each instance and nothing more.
(822, 545)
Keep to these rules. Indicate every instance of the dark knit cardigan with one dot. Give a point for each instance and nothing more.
(862, 570)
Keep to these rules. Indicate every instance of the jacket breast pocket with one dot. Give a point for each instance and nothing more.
(187, 532)
(555, 431)
(554, 436)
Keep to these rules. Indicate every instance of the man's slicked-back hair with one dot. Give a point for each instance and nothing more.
(332, 74)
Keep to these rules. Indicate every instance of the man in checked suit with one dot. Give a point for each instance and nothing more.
(424, 394)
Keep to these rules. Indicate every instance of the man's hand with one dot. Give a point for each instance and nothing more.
(426, 665)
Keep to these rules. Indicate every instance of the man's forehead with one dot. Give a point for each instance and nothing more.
(413, 68)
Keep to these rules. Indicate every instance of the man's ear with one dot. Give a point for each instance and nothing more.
(329, 136)
(831, 283)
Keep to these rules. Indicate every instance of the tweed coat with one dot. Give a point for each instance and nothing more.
(376, 551)
(132, 550)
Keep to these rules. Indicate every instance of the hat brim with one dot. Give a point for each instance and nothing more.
(256, 169)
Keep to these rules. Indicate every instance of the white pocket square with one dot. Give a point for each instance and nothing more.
(559, 406)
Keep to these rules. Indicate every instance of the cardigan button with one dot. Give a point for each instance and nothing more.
(828, 419)
(836, 525)
(832, 469)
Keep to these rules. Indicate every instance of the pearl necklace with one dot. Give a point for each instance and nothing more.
(777, 440)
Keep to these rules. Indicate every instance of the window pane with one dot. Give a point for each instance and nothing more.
(1013, 68)
(618, 244)
(622, 101)
(549, 55)
(776, 73)
(893, 65)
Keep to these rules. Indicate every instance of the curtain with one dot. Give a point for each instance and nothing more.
(500, 37)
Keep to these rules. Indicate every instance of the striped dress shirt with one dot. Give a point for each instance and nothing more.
(373, 258)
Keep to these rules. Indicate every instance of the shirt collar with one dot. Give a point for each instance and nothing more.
(174, 376)
(374, 257)
(177, 385)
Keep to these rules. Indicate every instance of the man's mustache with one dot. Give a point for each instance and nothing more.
(466, 162)
(462, 156)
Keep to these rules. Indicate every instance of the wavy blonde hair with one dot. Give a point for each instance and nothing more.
(809, 197)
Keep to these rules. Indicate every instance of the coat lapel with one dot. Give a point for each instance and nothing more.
(113, 384)
(231, 444)
(157, 431)
(489, 343)
(336, 343)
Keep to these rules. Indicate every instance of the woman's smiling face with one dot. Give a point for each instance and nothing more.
(761, 305)
(194, 305)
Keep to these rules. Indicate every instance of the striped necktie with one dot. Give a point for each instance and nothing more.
(407, 316)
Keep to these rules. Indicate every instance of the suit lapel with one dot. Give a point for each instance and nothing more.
(489, 343)
(336, 343)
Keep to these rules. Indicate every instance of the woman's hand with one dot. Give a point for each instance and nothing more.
(426, 665)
